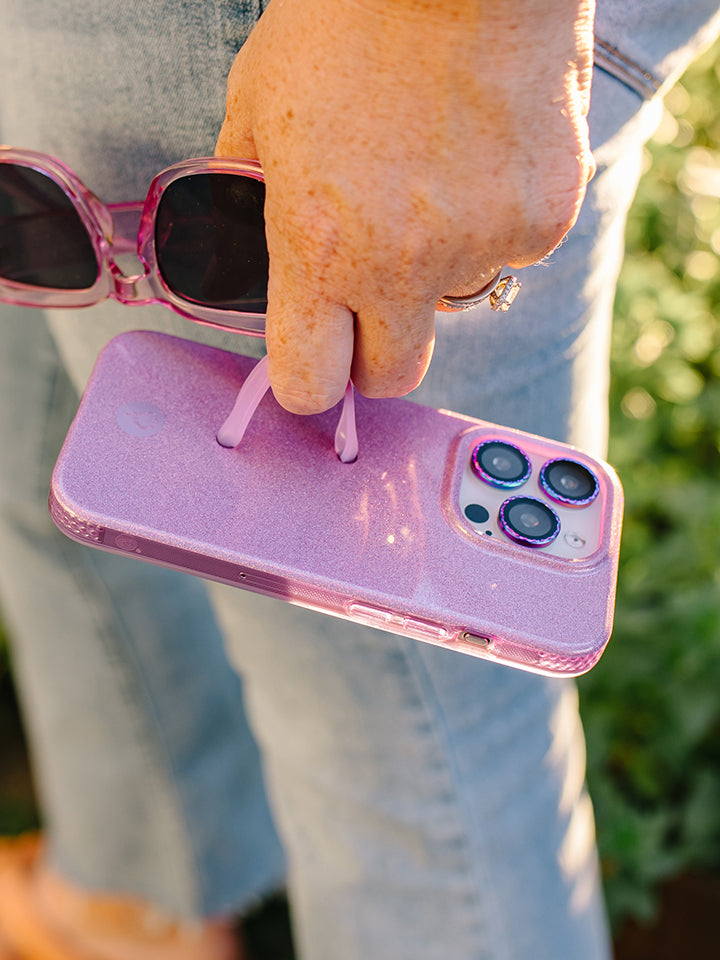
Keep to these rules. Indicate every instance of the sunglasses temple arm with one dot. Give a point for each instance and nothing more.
(254, 389)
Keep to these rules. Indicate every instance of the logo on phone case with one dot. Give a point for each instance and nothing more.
(139, 419)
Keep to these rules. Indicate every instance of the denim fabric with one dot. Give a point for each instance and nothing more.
(430, 805)
(135, 717)
(656, 36)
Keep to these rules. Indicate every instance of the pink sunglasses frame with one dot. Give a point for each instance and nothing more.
(127, 228)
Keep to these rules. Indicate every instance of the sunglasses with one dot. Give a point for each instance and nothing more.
(199, 236)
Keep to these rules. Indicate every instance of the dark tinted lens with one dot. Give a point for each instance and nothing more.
(500, 464)
(568, 482)
(43, 241)
(210, 241)
(528, 521)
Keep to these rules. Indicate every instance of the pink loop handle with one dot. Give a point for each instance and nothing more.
(346, 438)
(251, 393)
(254, 389)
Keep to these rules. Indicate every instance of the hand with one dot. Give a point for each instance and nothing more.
(410, 149)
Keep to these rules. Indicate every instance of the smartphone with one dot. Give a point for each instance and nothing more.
(476, 537)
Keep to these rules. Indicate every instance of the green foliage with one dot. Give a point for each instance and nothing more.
(652, 706)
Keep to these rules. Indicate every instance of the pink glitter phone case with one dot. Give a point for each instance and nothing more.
(425, 534)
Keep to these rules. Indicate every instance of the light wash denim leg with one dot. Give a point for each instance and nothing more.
(148, 775)
(431, 806)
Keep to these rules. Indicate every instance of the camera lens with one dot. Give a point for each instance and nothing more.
(567, 481)
(528, 521)
(500, 464)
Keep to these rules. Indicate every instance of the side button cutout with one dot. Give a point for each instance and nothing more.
(476, 638)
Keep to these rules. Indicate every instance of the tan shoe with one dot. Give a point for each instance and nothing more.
(44, 917)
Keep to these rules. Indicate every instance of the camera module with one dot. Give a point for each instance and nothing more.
(567, 481)
(500, 464)
(528, 521)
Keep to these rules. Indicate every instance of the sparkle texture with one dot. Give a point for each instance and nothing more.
(381, 540)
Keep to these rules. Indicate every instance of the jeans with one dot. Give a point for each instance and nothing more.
(427, 805)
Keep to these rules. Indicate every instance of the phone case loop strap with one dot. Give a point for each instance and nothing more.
(254, 389)
(251, 393)
(346, 438)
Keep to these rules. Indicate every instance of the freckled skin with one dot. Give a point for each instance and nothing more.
(411, 147)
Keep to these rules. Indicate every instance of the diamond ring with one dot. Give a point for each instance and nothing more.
(501, 291)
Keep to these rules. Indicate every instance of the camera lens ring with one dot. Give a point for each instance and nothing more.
(513, 470)
(535, 512)
(574, 473)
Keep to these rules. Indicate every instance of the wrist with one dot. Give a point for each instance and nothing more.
(545, 45)
(536, 30)
(540, 13)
